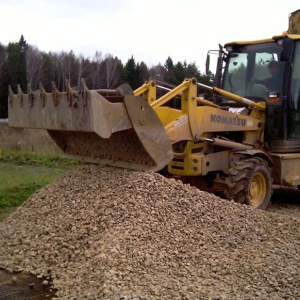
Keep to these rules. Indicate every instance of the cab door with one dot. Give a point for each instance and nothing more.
(293, 118)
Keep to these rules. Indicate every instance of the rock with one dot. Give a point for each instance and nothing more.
(122, 234)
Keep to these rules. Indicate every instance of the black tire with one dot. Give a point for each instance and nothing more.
(249, 182)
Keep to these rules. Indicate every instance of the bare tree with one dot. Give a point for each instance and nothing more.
(95, 69)
(158, 71)
(80, 70)
(2, 57)
(112, 72)
(34, 66)
(66, 65)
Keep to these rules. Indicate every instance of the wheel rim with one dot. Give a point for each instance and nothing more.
(257, 190)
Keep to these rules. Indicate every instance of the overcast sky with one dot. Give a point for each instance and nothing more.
(149, 30)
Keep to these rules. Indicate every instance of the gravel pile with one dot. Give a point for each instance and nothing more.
(110, 233)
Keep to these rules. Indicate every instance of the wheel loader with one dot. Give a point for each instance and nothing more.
(240, 143)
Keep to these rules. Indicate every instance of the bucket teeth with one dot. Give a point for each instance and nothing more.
(20, 95)
(54, 89)
(84, 90)
(42, 94)
(10, 96)
(55, 93)
(84, 86)
(70, 92)
(30, 95)
(19, 90)
(41, 88)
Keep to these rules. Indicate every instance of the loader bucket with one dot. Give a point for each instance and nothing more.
(110, 127)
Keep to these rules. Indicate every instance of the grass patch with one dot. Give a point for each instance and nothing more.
(22, 174)
(15, 196)
(36, 159)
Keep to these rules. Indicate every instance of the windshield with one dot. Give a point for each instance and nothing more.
(294, 113)
(253, 71)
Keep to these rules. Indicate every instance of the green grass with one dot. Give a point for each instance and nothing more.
(22, 174)
(36, 159)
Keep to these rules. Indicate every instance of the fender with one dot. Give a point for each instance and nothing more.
(256, 153)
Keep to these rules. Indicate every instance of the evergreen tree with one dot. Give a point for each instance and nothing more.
(176, 74)
(169, 64)
(17, 64)
(23, 63)
(144, 72)
(4, 82)
(131, 73)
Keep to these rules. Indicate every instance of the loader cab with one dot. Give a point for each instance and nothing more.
(248, 70)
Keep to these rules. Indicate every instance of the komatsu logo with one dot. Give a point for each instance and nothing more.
(228, 120)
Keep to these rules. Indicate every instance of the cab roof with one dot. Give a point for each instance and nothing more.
(273, 39)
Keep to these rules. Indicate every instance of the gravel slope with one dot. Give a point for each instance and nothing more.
(109, 233)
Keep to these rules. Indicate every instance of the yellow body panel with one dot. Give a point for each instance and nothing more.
(209, 119)
(286, 168)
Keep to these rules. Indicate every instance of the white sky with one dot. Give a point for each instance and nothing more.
(149, 30)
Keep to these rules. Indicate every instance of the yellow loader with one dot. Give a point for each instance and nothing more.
(241, 143)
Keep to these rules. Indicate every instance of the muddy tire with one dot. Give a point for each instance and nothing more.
(249, 182)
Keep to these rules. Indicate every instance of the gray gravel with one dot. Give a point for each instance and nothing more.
(109, 233)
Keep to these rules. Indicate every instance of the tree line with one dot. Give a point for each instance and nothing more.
(25, 65)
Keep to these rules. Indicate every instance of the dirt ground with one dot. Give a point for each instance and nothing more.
(27, 140)
(285, 202)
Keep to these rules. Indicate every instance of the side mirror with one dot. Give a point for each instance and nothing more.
(207, 63)
(287, 49)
